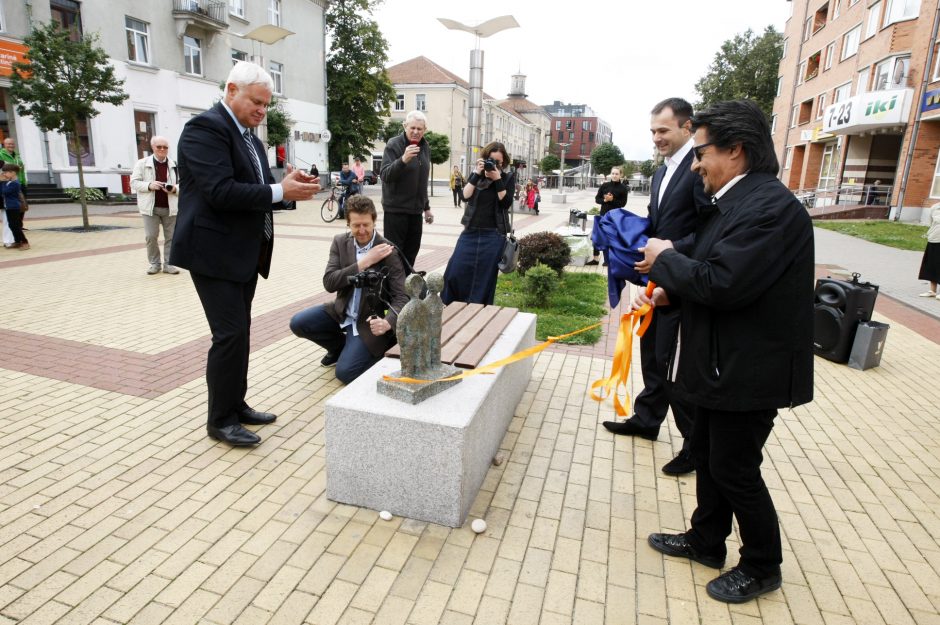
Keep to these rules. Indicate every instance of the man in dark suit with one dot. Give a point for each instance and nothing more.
(355, 329)
(746, 282)
(675, 197)
(224, 236)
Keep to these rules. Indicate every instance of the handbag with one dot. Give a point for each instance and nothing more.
(510, 256)
(24, 205)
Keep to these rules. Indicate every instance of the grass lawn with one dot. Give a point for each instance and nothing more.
(579, 301)
(890, 233)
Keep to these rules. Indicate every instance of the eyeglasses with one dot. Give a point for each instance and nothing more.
(697, 149)
(161, 147)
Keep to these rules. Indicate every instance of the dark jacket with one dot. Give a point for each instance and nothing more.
(620, 192)
(341, 266)
(405, 185)
(676, 215)
(488, 200)
(11, 194)
(746, 282)
(220, 225)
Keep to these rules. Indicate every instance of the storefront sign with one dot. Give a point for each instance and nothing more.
(10, 52)
(877, 109)
(931, 101)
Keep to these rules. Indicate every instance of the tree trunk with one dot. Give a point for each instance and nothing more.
(77, 148)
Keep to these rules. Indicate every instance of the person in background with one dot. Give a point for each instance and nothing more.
(456, 186)
(347, 178)
(612, 194)
(155, 180)
(360, 172)
(930, 265)
(8, 154)
(12, 205)
(472, 269)
(406, 165)
(532, 196)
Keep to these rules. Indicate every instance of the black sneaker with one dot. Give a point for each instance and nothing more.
(736, 586)
(593, 261)
(677, 545)
(330, 360)
(680, 465)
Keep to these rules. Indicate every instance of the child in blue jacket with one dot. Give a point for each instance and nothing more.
(11, 204)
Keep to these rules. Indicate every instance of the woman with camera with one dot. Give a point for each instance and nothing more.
(471, 272)
(155, 180)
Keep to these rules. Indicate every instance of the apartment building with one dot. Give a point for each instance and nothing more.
(579, 127)
(173, 56)
(856, 119)
(423, 85)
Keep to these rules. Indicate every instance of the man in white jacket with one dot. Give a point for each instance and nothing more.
(155, 181)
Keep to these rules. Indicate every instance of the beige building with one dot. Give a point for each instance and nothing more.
(857, 115)
(423, 85)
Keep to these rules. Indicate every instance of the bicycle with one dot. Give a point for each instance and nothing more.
(332, 207)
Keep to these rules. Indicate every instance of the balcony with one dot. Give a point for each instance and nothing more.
(210, 16)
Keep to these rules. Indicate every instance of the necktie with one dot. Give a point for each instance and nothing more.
(268, 222)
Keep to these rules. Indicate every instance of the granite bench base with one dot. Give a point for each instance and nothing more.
(427, 461)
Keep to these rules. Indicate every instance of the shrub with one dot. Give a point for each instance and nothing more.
(540, 282)
(93, 194)
(594, 211)
(547, 248)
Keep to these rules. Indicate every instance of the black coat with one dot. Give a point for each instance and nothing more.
(405, 185)
(676, 215)
(220, 225)
(620, 192)
(746, 282)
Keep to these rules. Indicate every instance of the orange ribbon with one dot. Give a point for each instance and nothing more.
(623, 352)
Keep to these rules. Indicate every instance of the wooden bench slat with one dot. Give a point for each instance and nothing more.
(457, 321)
(466, 333)
(471, 357)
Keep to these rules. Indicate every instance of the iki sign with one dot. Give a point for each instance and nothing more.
(880, 107)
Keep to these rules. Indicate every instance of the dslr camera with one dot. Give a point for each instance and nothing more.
(489, 165)
(368, 279)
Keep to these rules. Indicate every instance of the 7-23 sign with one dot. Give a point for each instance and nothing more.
(840, 115)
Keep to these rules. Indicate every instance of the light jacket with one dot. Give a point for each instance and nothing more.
(144, 174)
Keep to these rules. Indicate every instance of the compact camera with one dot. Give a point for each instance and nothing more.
(314, 171)
(368, 279)
(169, 187)
(489, 165)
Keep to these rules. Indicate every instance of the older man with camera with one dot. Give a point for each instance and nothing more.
(366, 273)
(155, 181)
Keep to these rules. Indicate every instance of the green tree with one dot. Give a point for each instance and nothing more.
(440, 151)
(359, 91)
(278, 122)
(605, 156)
(59, 83)
(391, 129)
(745, 67)
(628, 169)
(648, 168)
(549, 164)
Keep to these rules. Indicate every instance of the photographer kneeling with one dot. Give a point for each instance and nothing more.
(367, 276)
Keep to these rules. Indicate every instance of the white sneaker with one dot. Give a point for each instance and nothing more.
(928, 294)
(170, 269)
(153, 269)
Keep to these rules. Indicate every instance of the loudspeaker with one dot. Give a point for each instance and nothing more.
(839, 307)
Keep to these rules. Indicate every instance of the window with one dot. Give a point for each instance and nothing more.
(819, 20)
(773, 123)
(83, 130)
(794, 115)
(585, 125)
(788, 158)
(820, 105)
(779, 86)
(591, 137)
(138, 40)
(899, 10)
(236, 7)
(463, 136)
(801, 73)
(557, 124)
(399, 101)
(238, 55)
(829, 167)
(935, 187)
(842, 93)
(67, 14)
(936, 69)
(812, 66)
(861, 86)
(850, 42)
(808, 28)
(144, 123)
(570, 136)
(837, 6)
(561, 135)
(421, 103)
(874, 15)
(806, 111)
(892, 73)
(830, 52)
(277, 75)
(785, 46)
(274, 12)
(192, 55)
(568, 124)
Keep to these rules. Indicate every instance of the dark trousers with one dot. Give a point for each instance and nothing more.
(227, 305)
(316, 325)
(603, 212)
(15, 221)
(404, 230)
(656, 347)
(458, 195)
(726, 450)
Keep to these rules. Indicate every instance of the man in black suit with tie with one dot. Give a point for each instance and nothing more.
(225, 236)
(675, 195)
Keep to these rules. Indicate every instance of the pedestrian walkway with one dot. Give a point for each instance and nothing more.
(116, 508)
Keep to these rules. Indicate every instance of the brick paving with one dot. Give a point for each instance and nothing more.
(116, 508)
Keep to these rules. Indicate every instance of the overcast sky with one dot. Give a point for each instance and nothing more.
(618, 57)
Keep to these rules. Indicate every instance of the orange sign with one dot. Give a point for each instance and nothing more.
(10, 52)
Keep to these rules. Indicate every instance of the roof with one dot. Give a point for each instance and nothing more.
(506, 106)
(423, 71)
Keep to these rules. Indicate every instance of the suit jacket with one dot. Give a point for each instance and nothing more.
(342, 266)
(676, 215)
(220, 225)
(746, 283)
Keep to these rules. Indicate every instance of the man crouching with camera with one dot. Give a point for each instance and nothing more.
(368, 278)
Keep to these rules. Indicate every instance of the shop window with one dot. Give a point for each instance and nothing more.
(829, 168)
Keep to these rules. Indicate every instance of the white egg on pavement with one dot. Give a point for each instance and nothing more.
(385, 515)
(478, 526)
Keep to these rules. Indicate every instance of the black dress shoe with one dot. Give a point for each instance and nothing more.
(250, 416)
(680, 465)
(678, 545)
(234, 435)
(630, 428)
(736, 586)
(330, 360)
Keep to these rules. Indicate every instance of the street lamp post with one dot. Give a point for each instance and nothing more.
(486, 29)
(561, 173)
